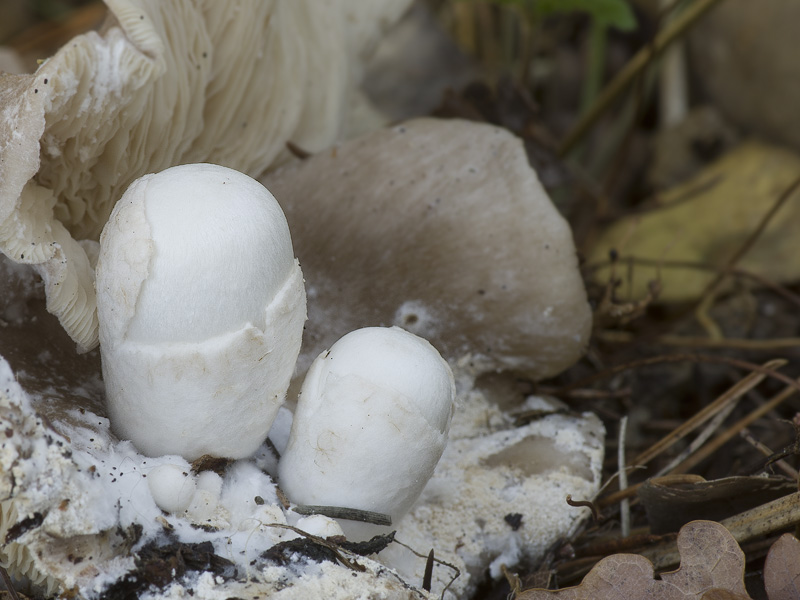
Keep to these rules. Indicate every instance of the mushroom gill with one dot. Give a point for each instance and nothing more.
(163, 83)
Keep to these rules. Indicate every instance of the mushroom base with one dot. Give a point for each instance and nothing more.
(77, 516)
(216, 397)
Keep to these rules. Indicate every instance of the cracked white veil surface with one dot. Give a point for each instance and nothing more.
(161, 84)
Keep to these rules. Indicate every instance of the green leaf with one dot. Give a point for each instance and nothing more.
(611, 13)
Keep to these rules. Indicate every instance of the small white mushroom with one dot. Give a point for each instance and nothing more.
(201, 306)
(371, 423)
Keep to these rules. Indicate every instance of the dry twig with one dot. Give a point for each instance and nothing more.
(632, 70)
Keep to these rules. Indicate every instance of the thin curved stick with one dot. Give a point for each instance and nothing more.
(632, 70)
(674, 358)
(686, 341)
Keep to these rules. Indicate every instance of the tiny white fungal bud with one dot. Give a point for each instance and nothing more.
(206, 499)
(172, 487)
(320, 525)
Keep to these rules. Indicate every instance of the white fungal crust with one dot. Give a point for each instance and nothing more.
(201, 308)
(164, 83)
(72, 525)
(371, 423)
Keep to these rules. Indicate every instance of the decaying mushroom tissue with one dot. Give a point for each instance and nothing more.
(247, 428)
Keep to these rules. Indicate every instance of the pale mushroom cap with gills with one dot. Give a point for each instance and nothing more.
(163, 84)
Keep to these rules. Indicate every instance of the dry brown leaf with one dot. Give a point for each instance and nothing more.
(782, 569)
(720, 594)
(628, 576)
(711, 564)
(671, 504)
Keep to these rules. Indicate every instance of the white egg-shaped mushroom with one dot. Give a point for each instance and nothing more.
(172, 487)
(371, 423)
(201, 306)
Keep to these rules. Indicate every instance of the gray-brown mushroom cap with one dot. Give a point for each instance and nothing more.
(442, 228)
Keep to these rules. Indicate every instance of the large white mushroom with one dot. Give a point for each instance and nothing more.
(199, 81)
(201, 306)
(743, 57)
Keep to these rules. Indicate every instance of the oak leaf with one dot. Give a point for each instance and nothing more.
(782, 569)
(720, 594)
(712, 567)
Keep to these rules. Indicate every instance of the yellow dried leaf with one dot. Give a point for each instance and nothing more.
(706, 220)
